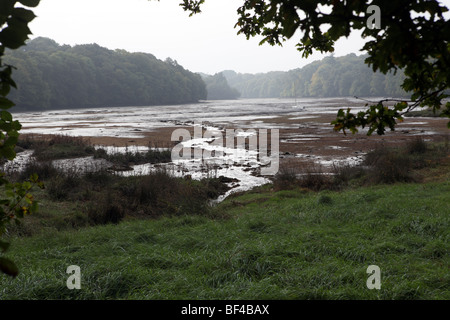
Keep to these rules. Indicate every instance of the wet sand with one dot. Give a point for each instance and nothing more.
(313, 138)
(306, 134)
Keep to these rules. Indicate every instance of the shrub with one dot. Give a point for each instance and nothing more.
(417, 145)
(315, 179)
(304, 175)
(99, 177)
(128, 157)
(344, 173)
(44, 170)
(60, 147)
(286, 178)
(56, 189)
(388, 166)
(104, 212)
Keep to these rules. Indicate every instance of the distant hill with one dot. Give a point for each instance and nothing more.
(218, 88)
(329, 77)
(52, 76)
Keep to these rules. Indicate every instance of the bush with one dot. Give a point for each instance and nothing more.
(44, 170)
(105, 211)
(286, 178)
(315, 179)
(387, 165)
(60, 147)
(159, 193)
(98, 178)
(297, 174)
(129, 157)
(418, 145)
(345, 173)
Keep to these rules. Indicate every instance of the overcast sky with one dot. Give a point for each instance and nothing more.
(207, 42)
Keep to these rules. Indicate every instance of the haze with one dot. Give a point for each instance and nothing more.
(206, 43)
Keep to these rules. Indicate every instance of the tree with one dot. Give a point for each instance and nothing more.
(16, 200)
(412, 36)
(52, 76)
(218, 88)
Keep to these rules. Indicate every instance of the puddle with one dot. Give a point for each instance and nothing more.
(19, 162)
(81, 165)
(352, 161)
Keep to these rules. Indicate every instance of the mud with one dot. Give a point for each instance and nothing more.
(306, 134)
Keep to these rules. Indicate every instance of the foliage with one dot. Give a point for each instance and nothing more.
(382, 165)
(413, 37)
(330, 77)
(286, 245)
(135, 157)
(77, 197)
(261, 85)
(16, 200)
(218, 88)
(54, 76)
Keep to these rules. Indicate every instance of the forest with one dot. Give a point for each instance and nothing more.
(218, 87)
(53, 76)
(329, 77)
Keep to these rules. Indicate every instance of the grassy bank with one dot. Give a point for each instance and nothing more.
(273, 245)
(307, 238)
(54, 147)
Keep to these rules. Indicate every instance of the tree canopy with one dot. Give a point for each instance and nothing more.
(60, 76)
(330, 77)
(218, 88)
(413, 36)
(15, 201)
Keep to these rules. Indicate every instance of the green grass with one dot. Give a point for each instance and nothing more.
(56, 147)
(289, 244)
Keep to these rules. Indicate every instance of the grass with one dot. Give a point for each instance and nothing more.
(135, 157)
(411, 162)
(77, 198)
(72, 200)
(54, 147)
(274, 245)
(305, 241)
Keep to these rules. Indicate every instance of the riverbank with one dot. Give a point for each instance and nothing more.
(302, 236)
(269, 245)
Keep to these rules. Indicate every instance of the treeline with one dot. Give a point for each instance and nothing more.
(218, 88)
(52, 76)
(329, 77)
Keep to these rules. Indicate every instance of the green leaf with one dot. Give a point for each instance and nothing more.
(6, 103)
(29, 3)
(23, 14)
(6, 116)
(8, 153)
(8, 267)
(4, 246)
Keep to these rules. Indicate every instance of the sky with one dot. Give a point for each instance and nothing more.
(206, 42)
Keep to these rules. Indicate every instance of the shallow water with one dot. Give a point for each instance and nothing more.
(135, 122)
(131, 122)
